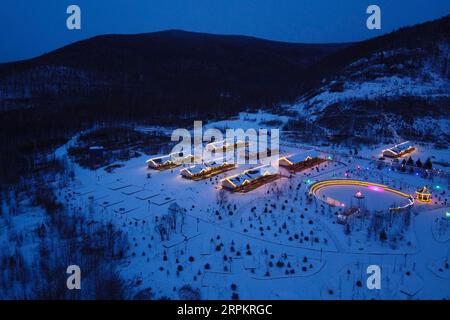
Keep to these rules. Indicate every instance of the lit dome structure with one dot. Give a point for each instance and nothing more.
(423, 195)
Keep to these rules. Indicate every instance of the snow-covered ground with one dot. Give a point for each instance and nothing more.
(381, 87)
(275, 242)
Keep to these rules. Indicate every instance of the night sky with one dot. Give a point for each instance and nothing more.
(33, 27)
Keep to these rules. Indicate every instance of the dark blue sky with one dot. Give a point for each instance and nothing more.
(32, 27)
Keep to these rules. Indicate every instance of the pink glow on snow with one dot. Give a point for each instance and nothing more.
(376, 188)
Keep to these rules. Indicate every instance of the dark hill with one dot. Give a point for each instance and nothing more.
(174, 70)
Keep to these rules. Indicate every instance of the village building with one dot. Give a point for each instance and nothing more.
(299, 162)
(399, 150)
(250, 179)
(224, 145)
(206, 170)
(169, 161)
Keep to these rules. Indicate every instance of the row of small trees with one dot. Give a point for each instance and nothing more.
(410, 162)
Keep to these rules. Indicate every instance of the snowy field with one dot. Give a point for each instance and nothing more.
(275, 242)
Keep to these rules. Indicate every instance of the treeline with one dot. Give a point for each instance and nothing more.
(28, 135)
(119, 143)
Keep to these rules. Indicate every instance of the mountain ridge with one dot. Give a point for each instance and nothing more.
(163, 68)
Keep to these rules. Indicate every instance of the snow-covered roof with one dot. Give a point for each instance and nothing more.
(300, 157)
(268, 170)
(296, 158)
(402, 147)
(214, 164)
(160, 160)
(399, 148)
(253, 174)
(196, 169)
(205, 166)
(223, 143)
(180, 157)
(261, 171)
(239, 179)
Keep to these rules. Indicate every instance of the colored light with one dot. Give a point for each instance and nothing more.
(330, 158)
(438, 187)
(376, 188)
(447, 214)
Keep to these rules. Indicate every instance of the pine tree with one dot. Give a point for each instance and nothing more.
(383, 235)
(418, 163)
(347, 229)
(410, 162)
(428, 164)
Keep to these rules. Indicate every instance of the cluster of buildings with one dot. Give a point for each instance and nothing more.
(241, 182)
(225, 145)
(250, 179)
(206, 170)
(254, 177)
